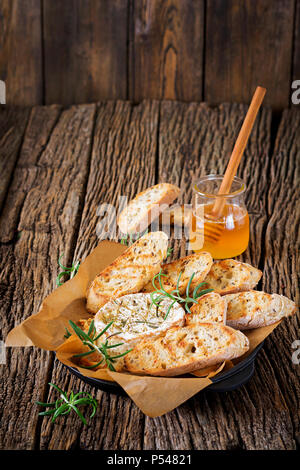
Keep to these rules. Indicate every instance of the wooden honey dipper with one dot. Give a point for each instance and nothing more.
(213, 232)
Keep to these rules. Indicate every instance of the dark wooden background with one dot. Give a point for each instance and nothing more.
(79, 51)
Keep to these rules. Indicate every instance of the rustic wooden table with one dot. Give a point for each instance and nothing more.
(57, 165)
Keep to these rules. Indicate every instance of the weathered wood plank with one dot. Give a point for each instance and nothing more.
(240, 37)
(85, 50)
(13, 122)
(166, 50)
(195, 140)
(281, 266)
(232, 421)
(21, 51)
(123, 163)
(48, 191)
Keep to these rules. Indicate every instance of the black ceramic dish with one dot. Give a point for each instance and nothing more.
(223, 382)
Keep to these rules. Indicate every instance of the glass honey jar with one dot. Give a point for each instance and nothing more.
(227, 234)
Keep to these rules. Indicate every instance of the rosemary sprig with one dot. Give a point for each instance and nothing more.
(65, 404)
(66, 271)
(90, 338)
(159, 294)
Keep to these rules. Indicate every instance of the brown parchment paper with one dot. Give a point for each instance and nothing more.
(155, 396)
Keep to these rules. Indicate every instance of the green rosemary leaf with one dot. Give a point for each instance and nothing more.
(160, 293)
(169, 309)
(74, 269)
(40, 403)
(66, 271)
(114, 345)
(177, 284)
(59, 263)
(189, 284)
(59, 411)
(79, 414)
(59, 277)
(63, 394)
(47, 413)
(203, 292)
(79, 332)
(124, 241)
(195, 291)
(91, 328)
(104, 330)
(89, 339)
(121, 355)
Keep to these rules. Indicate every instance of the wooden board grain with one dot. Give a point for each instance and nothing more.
(46, 197)
(281, 261)
(166, 50)
(13, 122)
(195, 140)
(248, 44)
(85, 50)
(231, 421)
(123, 163)
(21, 51)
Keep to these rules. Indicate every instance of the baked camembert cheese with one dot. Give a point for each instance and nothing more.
(135, 317)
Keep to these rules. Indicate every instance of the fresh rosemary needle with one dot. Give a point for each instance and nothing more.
(159, 294)
(66, 403)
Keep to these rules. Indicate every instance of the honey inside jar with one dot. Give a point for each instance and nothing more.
(227, 235)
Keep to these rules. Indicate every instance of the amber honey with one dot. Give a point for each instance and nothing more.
(226, 237)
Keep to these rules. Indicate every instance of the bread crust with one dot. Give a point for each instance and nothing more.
(132, 219)
(168, 345)
(255, 309)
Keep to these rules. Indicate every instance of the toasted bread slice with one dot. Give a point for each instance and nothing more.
(253, 309)
(183, 350)
(130, 271)
(229, 276)
(199, 264)
(211, 307)
(146, 207)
